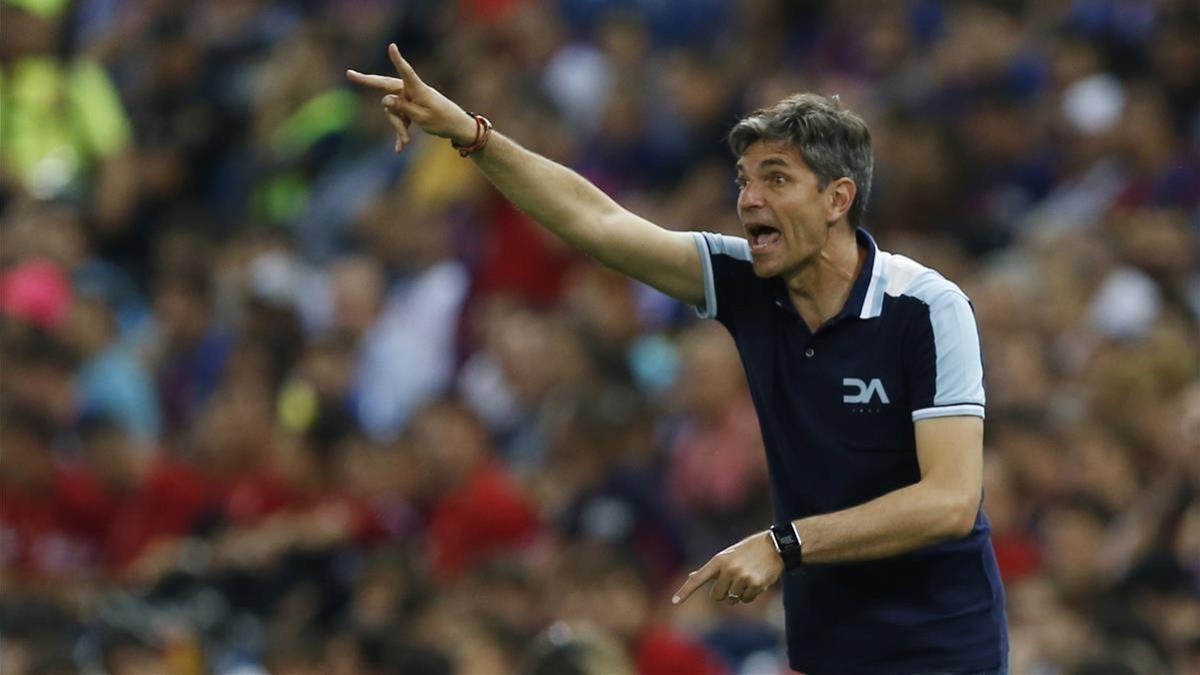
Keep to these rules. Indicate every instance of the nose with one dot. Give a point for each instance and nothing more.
(749, 198)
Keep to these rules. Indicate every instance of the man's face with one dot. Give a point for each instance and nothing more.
(782, 208)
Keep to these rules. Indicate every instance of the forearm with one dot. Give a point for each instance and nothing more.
(584, 217)
(558, 198)
(900, 521)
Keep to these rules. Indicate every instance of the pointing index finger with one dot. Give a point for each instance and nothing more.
(382, 82)
(695, 580)
(406, 71)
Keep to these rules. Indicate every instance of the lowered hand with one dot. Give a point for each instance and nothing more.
(741, 572)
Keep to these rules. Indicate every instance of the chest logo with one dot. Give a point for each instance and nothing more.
(864, 391)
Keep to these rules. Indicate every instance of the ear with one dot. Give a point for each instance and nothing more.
(839, 196)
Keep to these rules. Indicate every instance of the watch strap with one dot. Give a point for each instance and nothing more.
(789, 545)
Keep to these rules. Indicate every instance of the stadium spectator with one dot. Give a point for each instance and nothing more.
(474, 508)
(600, 584)
(716, 473)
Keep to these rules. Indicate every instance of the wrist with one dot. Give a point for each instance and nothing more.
(788, 544)
(463, 132)
(483, 132)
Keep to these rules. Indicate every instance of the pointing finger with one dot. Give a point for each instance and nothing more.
(389, 84)
(695, 580)
(406, 71)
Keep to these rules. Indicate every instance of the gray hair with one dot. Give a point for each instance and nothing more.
(833, 141)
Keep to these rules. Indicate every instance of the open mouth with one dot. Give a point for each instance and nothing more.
(762, 235)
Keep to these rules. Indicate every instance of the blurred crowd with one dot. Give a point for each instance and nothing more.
(276, 399)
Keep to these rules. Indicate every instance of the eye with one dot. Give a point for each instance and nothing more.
(778, 179)
(740, 183)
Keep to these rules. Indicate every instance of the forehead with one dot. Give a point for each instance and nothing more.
(764, 154)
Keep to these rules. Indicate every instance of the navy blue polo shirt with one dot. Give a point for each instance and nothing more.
(837, 409)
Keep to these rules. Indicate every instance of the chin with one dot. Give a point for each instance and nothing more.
(764, 269)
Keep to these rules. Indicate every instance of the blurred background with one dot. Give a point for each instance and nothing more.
(274, 398)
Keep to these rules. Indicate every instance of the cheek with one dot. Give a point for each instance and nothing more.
(806, 230)
(805, 215)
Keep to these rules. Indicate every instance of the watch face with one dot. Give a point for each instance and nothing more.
(787, 542)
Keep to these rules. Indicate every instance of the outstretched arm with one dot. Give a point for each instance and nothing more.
(556, 197)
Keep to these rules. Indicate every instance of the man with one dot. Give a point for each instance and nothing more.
(864, 368)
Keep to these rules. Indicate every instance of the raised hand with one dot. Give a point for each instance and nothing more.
(741, 572)
(408, 100)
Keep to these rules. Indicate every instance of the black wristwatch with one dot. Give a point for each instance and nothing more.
(789, 545)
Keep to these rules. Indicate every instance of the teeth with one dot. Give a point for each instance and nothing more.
(763, 238)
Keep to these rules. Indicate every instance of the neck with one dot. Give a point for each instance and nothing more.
(819, 288)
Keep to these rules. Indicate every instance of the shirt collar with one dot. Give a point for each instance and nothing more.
(871, 279)
(866, 295)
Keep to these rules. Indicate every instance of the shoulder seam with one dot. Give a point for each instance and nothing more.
(937, 286)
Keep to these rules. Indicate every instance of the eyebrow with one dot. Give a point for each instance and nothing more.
(766, 163)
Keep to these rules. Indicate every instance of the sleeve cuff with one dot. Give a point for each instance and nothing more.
(956, 410)
(709, 309)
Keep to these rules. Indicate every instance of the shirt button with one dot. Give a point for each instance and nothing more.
(809, 352)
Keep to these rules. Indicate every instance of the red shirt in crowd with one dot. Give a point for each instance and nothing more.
(662, 651)
(1017, 555)
(167, 502)
(52, 531)
(485, 514)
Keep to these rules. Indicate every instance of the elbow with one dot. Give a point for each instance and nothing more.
(959, 517)
(594, 232)
(605, 218)
(952, 514)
